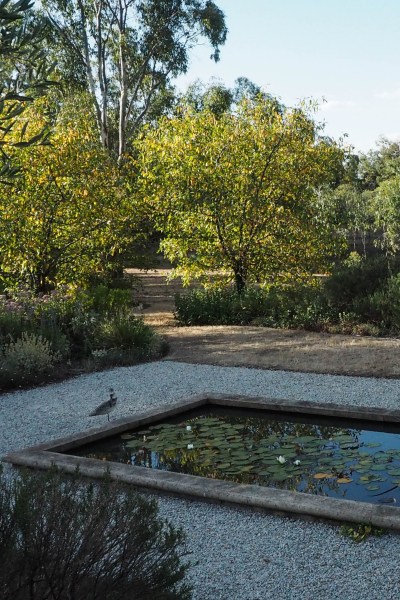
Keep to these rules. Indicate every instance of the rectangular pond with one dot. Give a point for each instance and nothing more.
(318, 461)
(337, 458)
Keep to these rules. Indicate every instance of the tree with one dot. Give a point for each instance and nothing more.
(23, 75)
(380, 164)
(130, 50)
(235, 192)
(218, 98)
(386, 209)
(68, 210)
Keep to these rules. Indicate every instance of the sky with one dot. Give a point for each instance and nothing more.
(343, 53)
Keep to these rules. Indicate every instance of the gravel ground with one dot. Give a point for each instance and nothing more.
(239, 554)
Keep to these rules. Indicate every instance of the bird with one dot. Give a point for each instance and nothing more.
(105, 407)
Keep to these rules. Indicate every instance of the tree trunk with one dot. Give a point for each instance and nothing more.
(240, 277)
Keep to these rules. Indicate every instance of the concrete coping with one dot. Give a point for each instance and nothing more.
(46, 455)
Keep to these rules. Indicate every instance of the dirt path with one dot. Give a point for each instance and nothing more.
(261, 347)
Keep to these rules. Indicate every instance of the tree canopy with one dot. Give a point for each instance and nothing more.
(236, 191)
(23, 74)
(68, 211)
(129, 50)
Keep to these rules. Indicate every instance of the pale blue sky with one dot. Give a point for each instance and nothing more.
(346, 51)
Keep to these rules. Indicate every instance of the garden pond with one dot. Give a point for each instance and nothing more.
(356, 460)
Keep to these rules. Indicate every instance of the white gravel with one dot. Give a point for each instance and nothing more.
(239, 554)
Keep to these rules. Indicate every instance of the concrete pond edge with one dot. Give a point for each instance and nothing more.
(45, 456)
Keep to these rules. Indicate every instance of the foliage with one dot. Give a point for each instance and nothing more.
(68, 211)
(26, 359)
(236, 192)
(219, 306)
(361, 297)
(277, 306)
(356, 278)
(63, 539)
(379, 165)
(94, 324)
(218, 99)
(359, 532)
(386, 202)
(351, 210)
(125, 333)
(23, 75)
(129, 52)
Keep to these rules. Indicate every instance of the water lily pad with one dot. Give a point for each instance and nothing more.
(343, 438)
(323, 475)
(280, 477)
(394, 472)
(372, 488)
(342, 480)
(134, 444)
(306, 438)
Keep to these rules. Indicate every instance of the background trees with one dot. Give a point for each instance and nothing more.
(235, 191)
(23, 74)
(68, 209)
(129, 50)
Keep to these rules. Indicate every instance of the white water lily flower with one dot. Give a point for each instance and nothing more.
(190, 446)
(281, 460)
(297, 462)
(188, 428)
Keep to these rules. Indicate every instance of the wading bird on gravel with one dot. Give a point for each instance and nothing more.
(105, 407)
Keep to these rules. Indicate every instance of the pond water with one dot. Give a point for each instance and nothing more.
(354, 460)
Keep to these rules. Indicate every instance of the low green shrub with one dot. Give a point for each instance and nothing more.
(123, 340)
(354, 279)
(125, 333)
(108, 301)
(74, 324)
(63, 539)
(283, 306)
(348, 302)
(219, 306)
(26, 359)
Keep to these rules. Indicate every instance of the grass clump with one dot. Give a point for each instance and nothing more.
(62, 539)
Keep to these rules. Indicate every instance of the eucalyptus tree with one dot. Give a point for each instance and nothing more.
(23, 74)
(218, 98)
(130, 50)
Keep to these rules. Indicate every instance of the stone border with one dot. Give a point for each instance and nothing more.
(46, 455)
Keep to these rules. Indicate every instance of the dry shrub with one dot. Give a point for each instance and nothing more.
(61, 539)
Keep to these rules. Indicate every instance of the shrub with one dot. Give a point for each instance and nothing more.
(383, 306)
(106, 301)
(26, 359)
(125, 333)
(357, 279)
(279, 306)
(219, 306)
(61, 539)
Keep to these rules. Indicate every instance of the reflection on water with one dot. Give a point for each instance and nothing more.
(336, 459)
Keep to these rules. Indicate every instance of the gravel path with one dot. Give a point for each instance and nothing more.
(240, 555)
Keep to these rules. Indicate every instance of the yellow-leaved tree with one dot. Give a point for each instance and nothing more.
(70, 206)
(235, 192)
